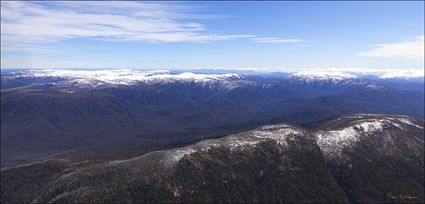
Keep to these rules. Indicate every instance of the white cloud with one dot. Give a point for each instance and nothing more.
(36, 26)
(413, 49)
(40, 62)
(277, 40)
(379, 72)
(30, 26)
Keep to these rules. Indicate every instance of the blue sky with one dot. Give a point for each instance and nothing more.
(264, 36)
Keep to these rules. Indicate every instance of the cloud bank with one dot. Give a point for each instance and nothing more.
(413, 49)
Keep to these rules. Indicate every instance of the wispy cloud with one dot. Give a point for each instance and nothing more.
(36, 26)
(32, 25)
(413, 49)
(277, 40)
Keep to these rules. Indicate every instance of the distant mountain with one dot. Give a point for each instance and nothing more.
(113, 77)
(356, 159)
(106, 114)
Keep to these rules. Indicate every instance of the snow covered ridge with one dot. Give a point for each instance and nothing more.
(127, 77)
(337, 76)
(343, 74)
(238, 142)
(331, 142)
(323, 75)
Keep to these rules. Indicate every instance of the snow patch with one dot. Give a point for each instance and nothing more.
(180, 153)
(323, 75)
(371, 126)
(409, 122)
(236, 142)
(280, 134)
(375, 87)
(402, 74)
(333, 142)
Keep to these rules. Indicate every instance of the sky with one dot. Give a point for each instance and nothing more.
(262, 36)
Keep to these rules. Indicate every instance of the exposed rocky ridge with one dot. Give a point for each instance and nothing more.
(360, 158)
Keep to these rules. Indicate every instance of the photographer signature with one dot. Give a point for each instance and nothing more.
(401, 196)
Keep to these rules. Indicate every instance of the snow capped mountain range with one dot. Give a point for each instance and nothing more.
(269, 131)
(340, 74)
(95, 79)
(128, 77)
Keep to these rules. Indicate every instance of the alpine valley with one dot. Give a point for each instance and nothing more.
(131, 136)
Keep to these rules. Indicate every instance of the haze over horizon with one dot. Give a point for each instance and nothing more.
(266, 36)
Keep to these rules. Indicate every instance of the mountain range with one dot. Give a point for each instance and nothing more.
(362, 158)
(117, 114)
